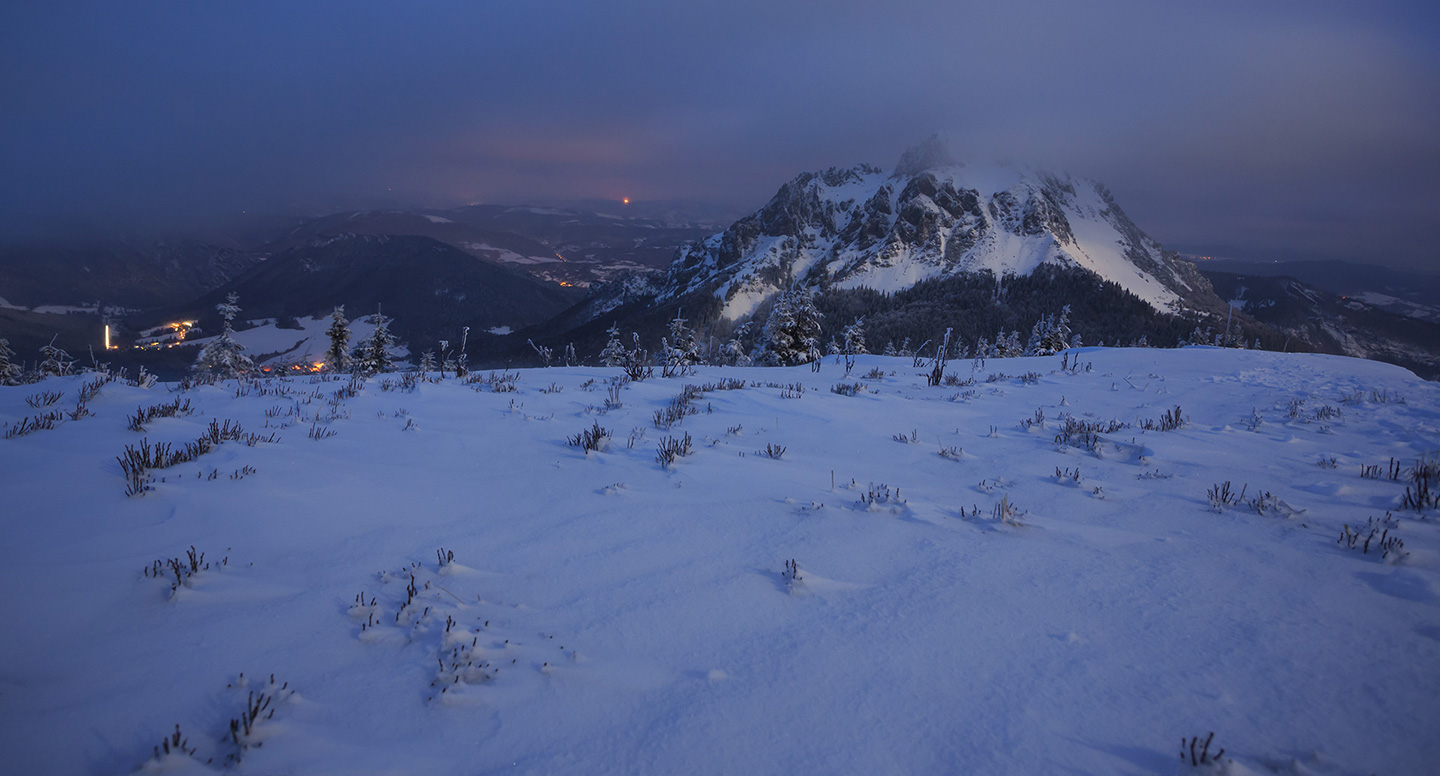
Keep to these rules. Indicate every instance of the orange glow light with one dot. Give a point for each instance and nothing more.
(625, 201)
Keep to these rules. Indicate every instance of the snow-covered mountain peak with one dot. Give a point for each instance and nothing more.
(933, 216)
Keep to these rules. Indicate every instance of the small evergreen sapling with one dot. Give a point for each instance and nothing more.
(614, 352)
(223, 357)
(373, 355)
(854, 336)
(9, 370)
(681, 349)
(337, 356)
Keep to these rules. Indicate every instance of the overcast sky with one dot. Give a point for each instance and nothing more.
(1274, 129)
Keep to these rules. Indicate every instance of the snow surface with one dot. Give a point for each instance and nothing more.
(639, 617)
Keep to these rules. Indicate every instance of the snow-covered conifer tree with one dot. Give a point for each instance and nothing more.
(614, 352)
(373, 355)
(681, 349)
(337, 356)
(9, 370)
(792, 332)
(854, 336)
(733, 352)
(223, 356)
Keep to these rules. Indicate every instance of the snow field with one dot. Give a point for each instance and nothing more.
(604, 614)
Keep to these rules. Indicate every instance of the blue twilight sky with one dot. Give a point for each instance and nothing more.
(1260, 129)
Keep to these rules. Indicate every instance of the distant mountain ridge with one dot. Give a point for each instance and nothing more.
(430, 289)
(861, 227)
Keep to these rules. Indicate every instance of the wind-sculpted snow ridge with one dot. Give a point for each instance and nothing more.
(1107, 561)
(931, 217)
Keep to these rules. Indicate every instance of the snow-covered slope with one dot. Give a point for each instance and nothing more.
(862, 227)
(605, 615)
(272, 345)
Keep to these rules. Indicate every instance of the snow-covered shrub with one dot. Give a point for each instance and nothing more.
(942, 355)
(25, 426)
(546, 354)
(1085, 434)
(1036, 421)
(1376, 532)
(168, 409)
(136, 463)
(1221, 496)
(674, 412)
(1170, 421)
(259, 708)
(847, 389)
(791, 575)
(592, 439)
(671, 448)
(636, 362)
(180, 571)
(43, 399)
(1421, 493)
(1007, 513)
(1202, 756)
(772, 451)
(174, 745)
(877, 497)
(56, 362)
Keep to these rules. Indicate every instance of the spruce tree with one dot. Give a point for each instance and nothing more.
(854, 336)
(337, 356)
(614, 352)
(9, 370)
(733, 352)
(373, 355)
(792, 332)
(681, 349)
(224, 357)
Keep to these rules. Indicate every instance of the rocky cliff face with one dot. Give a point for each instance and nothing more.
(931, 217)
